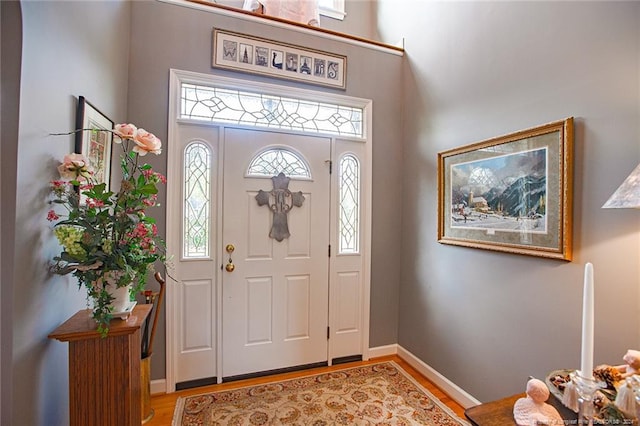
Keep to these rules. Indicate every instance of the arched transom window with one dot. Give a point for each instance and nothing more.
(275, 160)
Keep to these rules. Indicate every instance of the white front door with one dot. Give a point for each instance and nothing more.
(283, 298)
(275, 299)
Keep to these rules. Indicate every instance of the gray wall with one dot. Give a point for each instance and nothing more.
(168, 36)
(68, 49)
(476, 70)
(10, 55)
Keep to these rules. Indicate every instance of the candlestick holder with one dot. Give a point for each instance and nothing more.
(586, 388)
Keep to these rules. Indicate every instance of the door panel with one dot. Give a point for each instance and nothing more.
(348, 300)
(195, 318)
(275, 302)
(259, 294)
(196, 342)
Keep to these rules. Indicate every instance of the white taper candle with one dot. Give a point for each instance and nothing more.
(586, 361)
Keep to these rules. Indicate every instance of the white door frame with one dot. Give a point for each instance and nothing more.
(174, 164)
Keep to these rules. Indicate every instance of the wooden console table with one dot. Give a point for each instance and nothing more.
(500, 412)
(104, 373)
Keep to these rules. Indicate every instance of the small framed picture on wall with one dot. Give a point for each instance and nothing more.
(91, 142)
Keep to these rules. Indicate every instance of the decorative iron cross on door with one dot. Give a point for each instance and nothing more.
(280, 200)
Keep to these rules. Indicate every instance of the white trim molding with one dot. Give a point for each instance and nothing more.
(158, 386)
(380, 351)
(456, 393)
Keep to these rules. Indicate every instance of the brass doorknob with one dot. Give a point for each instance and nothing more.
(229, 248)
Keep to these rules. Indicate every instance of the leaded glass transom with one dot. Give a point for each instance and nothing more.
(216, 104)
(197, 200)
(278, 160)
(349, 209)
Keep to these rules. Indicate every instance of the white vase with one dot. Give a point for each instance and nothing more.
(121, 298)
(121, 295)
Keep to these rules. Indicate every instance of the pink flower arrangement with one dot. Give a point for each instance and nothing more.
(108, 239)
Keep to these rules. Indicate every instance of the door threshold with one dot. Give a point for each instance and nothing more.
(196, 383)
(346, 359)
(275, 371)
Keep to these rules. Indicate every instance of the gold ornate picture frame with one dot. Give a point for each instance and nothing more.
(512, 193)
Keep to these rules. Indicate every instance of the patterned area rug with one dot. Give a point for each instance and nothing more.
(377, 394)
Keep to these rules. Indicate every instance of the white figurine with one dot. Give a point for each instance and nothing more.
(532, 410)
(625, 398)
(631, 364)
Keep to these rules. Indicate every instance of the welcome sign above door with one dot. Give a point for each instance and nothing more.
(255, 55)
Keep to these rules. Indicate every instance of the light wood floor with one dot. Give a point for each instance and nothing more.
(164, 404)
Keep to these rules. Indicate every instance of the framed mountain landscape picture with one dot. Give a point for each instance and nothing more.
(512, 193)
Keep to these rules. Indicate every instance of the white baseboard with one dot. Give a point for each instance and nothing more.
(383, 351)
(158, 386)
(454, 391)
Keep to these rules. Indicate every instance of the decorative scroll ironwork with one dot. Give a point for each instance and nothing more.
(197, 203)
(206, 103)
(280, 200)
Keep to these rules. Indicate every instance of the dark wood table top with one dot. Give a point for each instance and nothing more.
(82, 326)
(500, 412)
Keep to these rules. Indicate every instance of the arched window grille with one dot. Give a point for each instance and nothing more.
(276, 160)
